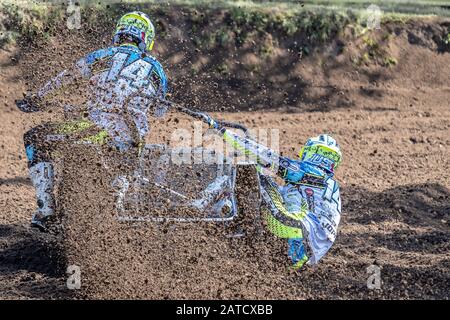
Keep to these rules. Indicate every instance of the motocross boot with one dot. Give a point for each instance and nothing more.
(42, 176)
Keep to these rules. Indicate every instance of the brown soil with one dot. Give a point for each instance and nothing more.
(393, 124)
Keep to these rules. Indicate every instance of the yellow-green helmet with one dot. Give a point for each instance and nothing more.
(322, 151)
(135, 26)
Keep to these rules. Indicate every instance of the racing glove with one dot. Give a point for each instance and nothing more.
(28, 104)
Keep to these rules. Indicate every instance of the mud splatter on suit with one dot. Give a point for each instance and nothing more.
(122, 83)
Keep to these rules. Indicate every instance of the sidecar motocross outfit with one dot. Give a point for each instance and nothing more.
(307, 209)
(124, 84)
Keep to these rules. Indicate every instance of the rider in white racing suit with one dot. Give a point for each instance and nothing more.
(124, 81)
(307, 209)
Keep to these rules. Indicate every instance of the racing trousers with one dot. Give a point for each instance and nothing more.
(41, 147)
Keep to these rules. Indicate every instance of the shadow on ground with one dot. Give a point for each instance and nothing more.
(426, 205)
(16, 181)
(32, 263)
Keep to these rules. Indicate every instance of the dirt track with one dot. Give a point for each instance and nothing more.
(394, 129)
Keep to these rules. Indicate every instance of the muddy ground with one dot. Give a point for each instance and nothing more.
(393, 124)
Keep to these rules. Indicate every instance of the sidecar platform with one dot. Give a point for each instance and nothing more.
(180, 184)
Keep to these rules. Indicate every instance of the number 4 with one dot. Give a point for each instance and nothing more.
(137, 72)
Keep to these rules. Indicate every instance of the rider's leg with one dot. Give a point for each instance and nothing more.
(294, 204)
(276, 213)
(40, 144)
(42, 176)
(38, 151)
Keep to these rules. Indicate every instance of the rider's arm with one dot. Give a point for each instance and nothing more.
(160, 109)
(263, 156)
(33, 102)
(288, 169)
(163, 79)
(62, 79)
(81, 69)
